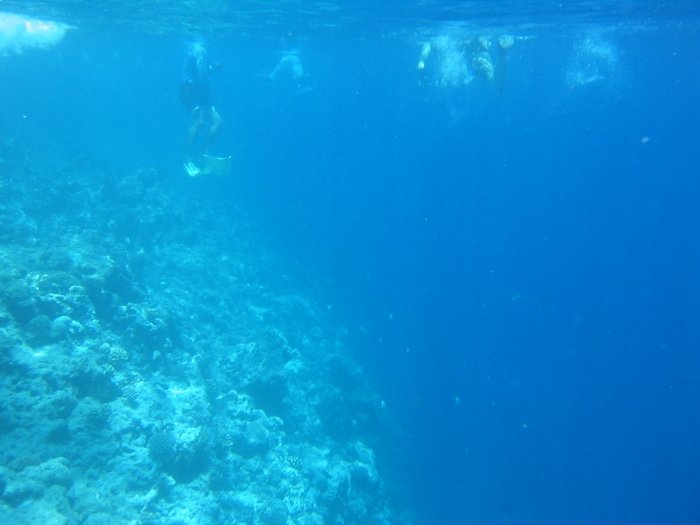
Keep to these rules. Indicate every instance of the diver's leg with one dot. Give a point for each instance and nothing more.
(215, 126)
(197, 120)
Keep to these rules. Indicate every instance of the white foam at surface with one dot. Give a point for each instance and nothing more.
(18, 32)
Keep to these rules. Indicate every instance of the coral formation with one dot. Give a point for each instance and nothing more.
(154, 370)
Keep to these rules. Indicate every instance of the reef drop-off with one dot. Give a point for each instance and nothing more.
(158, 366)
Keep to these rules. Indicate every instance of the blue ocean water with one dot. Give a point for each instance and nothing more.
(500, 205)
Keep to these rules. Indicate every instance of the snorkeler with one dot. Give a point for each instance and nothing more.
(289, 65)
(194, 93)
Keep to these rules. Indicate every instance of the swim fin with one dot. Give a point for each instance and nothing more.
(192, 170)
(217, 165)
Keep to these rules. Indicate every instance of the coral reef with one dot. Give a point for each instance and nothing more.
(156, 368)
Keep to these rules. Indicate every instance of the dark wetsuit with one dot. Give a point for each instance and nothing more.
(194, 91)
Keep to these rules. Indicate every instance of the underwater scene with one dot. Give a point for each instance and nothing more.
(336, 262)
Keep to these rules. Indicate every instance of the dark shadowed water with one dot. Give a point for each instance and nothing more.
(498, 200)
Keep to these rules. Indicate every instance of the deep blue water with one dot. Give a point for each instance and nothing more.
(516, 261)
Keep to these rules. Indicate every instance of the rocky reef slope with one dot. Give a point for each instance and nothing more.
(158, 368)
